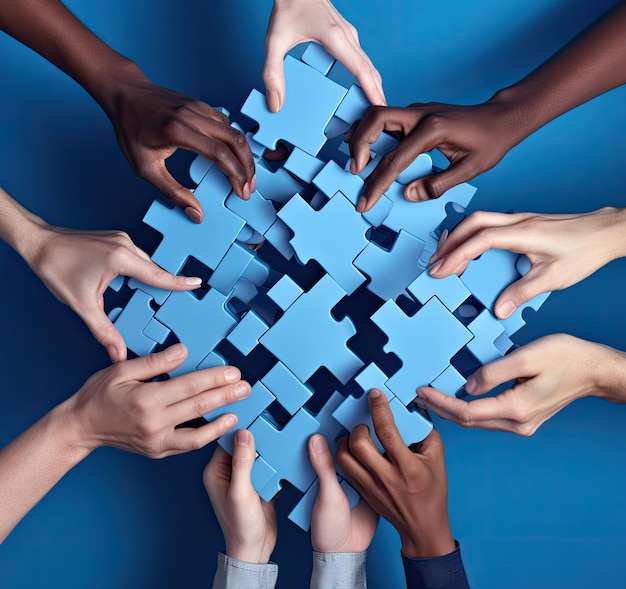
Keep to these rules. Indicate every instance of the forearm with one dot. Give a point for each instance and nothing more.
(609, 368)
(591, 64)
(50, 29)
(34, 462)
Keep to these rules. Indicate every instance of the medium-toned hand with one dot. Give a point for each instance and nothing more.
(334, 526)
(408, 488)
(296, 21)
(248, 523)
(562, 249)
(549, 373)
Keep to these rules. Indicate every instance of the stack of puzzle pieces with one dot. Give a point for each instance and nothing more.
(334, 302)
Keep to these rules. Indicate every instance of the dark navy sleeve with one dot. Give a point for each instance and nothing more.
(441, 572)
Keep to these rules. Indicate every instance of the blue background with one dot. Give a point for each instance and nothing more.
(545, 511)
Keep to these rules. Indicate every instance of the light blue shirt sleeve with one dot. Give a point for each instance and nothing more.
(236, 574)
(339, 570)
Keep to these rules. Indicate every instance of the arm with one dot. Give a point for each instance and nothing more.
(115, 408)
(476, 138)
(77, 266)
(296, 21)
(408, 488)
(248, 523)
(340, 536)
(150, 122)
(549, 374)
(562, 249)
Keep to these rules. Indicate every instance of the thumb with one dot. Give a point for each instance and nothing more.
(148, 272)
(244, 454)
(520, 292)
(434, 186)
(106, 334)
(274, 75)
(324, 465)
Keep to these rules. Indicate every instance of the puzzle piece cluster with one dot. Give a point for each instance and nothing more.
(335, 302)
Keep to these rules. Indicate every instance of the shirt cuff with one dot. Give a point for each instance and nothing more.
(340, 570)
(236, 574)
(441, 572)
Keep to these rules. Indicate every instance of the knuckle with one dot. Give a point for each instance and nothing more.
(434, 124)
(466, 419)
(385, 433)
(391, 162)
(358, 443)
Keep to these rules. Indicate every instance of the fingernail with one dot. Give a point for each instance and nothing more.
(193, 281)
(174, 352)
(506, 309)
(374, 394)
(242, 436)
(231, 421)
(273, 102)
(318, 445)
(242, 390)
(113, 355)
(471, 385)
(231, 374)
(442, 239)
(435, 268)
(246, 191)
(412, 195)
(360, 206)
(253, 184)
(194, 214)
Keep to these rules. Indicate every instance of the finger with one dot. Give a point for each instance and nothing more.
(358, 473)
(217, 470)
(185, 439)
(201, 404)
(148, 272)
(365, 451)
(243, 459)
(221, 144)
(385, 427)
(105, 333)
(434, 186)
(156, 173)
(147, 367)
(324, 465)
(273, 74)
(534, 283)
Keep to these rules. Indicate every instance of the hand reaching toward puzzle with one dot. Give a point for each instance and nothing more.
(549, 373)
(562, 249)
(248, 523)
(77, 267)
(408, 488)
(150, 122)
(115, 407)
(293, 22)
(475, 138)
(334, 526)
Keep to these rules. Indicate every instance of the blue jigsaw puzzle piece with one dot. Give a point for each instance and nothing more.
(382, 266)
(486, 329)
(310, 103)
(132, 320)
(303, 165)
(353, 106)
(324, 336)
(290, 392)
(257, 212)
(344, 237)
(246, 334)
(318, 58)
(372, 377)
(449, 290)
(425, 343)
(278, 186)
(261, 475)
(284, 292)
(279, 236)
(450, 381)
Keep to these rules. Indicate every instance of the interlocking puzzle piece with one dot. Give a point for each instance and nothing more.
(290, 392)
(449, 290)
(278, 186)
(353, 106)
(132, 321)
(234, 265)
(271, 443)
(262, 473)
(257, 212)
(208, 241)
(199, 324)
(284, 292)
(158, 295)
(318, 58)
(382, 265)
(413, 427)
(372, 377)
(246, 410)
(425, 343)
(246, 334)
(117, 283)
(450, 381)
(487, 330)
(310, 103)
(344, 237)
(279, 236)
(333, 178)
(304, 345)
(211, 361)
(303, 165)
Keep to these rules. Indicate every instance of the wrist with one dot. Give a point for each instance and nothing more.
(69, 440)
(517, 117)
(609, 374)
(249, 554)
(618, 233)
(435, 540)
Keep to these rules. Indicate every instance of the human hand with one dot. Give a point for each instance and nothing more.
(549, 373)
(562, 249)
(334, 526)
(296, 21)
(473, 138)
(152, 122)
(115, 407)
(77, 266)
(408, 488)
(247, 521)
